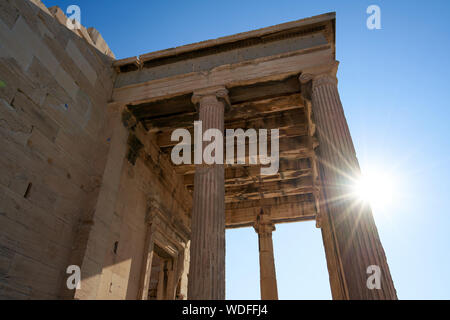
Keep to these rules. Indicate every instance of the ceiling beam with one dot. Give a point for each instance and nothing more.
(289, 169)
(290, 123)
(285, 210)
(270, 189)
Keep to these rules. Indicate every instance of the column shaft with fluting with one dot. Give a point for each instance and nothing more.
(349, 233)
(207, 263)
(268, 279)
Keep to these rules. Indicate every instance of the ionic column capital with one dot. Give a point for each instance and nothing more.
(210, 95)
(320, 75)
(264, 225)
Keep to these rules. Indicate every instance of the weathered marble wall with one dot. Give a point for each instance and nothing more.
(69, 193)
(148, 183)
(54, 88)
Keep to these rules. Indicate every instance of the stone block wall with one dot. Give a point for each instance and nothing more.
(54, 87)
(145, 182)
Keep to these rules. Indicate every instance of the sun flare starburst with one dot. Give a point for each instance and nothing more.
(375, 188)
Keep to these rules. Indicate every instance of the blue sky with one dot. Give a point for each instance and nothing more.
(394, 85)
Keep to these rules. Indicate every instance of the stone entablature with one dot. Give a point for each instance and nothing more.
(87, 178)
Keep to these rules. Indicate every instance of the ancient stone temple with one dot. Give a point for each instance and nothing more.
(87, 178)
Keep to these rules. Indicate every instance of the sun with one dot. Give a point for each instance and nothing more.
(376, 188)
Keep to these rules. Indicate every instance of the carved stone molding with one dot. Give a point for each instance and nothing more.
(159, 215)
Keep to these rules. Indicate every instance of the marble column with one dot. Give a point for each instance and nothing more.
(207, 266)
(268, 279)
(350, 237)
